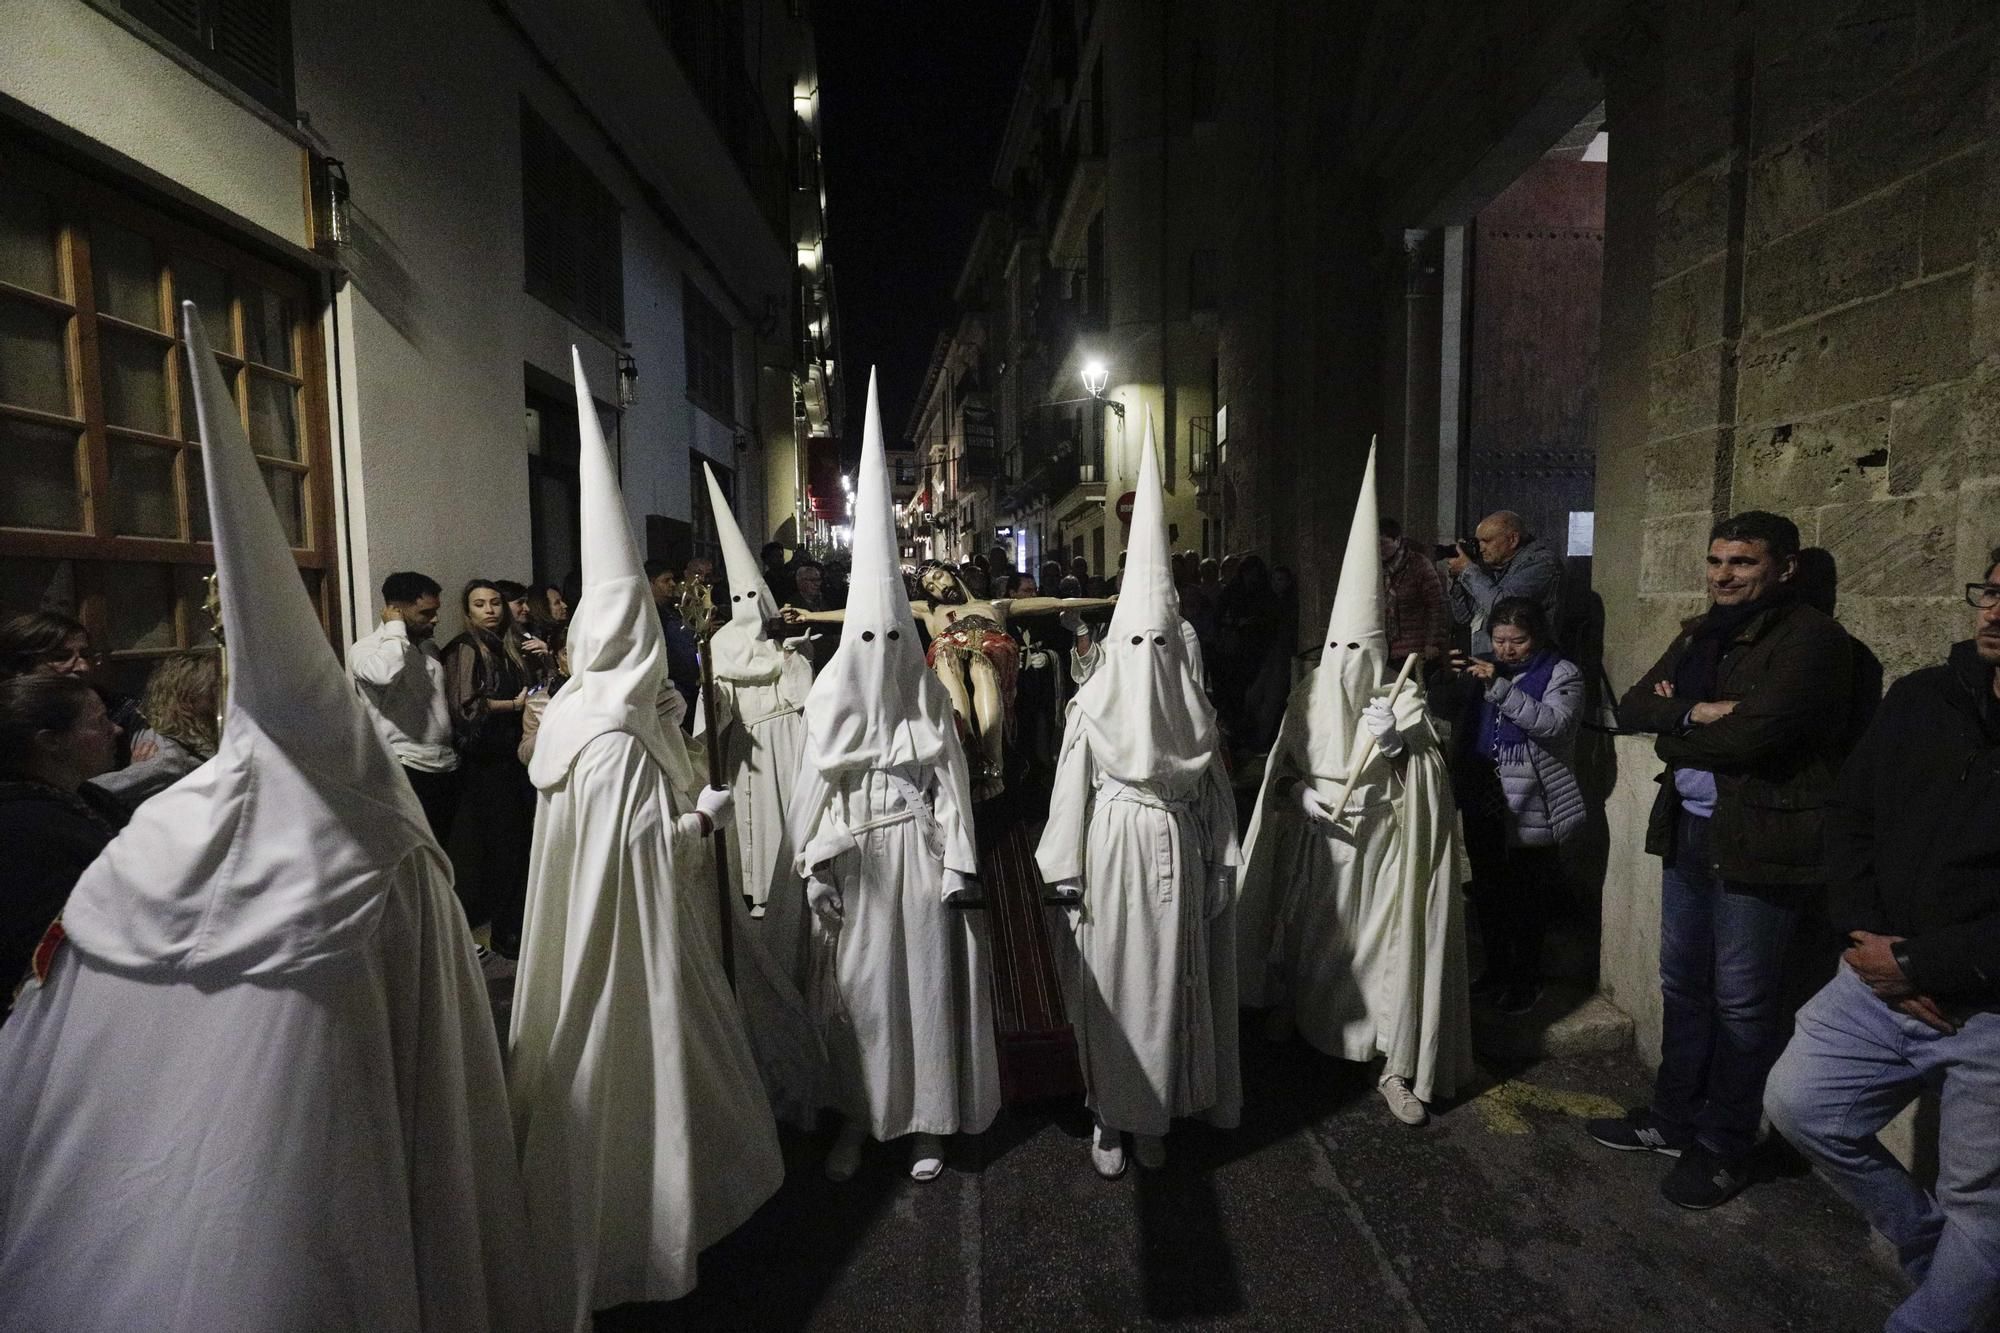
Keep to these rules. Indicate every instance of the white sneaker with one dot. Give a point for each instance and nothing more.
(926, 1157)
(845, 1159)
(1403, 1103)
(1151, 1150)
(1108, 1160)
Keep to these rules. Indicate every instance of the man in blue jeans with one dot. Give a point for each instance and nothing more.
(1750, 705)
(1914, 848)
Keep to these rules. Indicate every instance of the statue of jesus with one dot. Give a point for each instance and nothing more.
(974, 656)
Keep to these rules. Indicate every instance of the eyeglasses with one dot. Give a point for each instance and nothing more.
(1984, 596)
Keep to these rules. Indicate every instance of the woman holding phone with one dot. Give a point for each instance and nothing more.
(487, 682)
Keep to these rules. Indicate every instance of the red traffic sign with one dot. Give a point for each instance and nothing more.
(1125, 507)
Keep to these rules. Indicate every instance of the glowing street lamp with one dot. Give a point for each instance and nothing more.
(1095, 376)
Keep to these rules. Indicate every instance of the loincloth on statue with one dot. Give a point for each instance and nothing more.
(982, 637)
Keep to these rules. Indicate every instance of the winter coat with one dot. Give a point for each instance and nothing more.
(1534, 571)
(1545, 804)
(1915, 830)
(1543, 797)
(1789, 670)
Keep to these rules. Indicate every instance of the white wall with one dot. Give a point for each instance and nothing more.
(427, 338)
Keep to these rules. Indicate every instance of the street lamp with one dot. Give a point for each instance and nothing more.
(1095, 376)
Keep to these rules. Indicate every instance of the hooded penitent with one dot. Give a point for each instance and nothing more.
(882, 812)
(1143, 707)
(876, 705)
(643, 1129)
(1354, 659)
(742, 649)
(271, 947)
(617, 654)
(1357, 929)
(1142, 825)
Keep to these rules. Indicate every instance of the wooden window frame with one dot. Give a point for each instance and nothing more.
(77, 199)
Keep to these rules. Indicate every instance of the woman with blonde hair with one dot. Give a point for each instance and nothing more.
(182, 700)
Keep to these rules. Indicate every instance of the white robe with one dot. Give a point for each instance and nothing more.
(901, 990)
(761, 728)
(643, 1131)
(1362, 934)
(323, 1150)
(1152, 992)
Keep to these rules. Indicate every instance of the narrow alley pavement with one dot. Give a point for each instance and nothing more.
(1320, 1213)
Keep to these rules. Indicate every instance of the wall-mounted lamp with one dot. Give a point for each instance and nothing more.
(628, 379)
(1095, 376)
(333, 216)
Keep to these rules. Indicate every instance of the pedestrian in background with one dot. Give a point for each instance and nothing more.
(1517, 792)
(181, 703)
(1750, 705)
(1914, 860)
(1413, 599)
(401, 679)
(55, 644)
(486, 684)
(1502, 561)
(54, 736)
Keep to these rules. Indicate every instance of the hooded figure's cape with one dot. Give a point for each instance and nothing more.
(264, 1061)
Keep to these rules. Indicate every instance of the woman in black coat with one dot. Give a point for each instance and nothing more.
(55, 735)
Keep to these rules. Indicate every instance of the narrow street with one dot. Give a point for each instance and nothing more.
(1320, 1213)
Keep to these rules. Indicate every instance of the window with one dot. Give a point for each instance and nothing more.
(569, 231)
(711, 354)
(102, 511)
(247, 42)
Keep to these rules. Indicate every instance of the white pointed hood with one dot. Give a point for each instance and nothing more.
(741, 649)
(876, 705)
(275, 855)
(1354, 660)
(617, 653)
(1143, 708)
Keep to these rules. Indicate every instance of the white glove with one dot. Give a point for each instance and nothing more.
(798, 643)
(1380, 719)
(957, 886)
(1069, 890)
(1316, 807)
(719, 804)
(1072, 621)
(824, 900)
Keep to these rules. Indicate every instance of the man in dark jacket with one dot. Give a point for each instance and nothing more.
(1915, 860)
(1749, 705)
(1508, 563)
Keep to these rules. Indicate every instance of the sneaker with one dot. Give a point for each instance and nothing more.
(1704, 1178)
(1151, 1150)
(1107, 1153)
(926, 1157)
(1403, 1103)
(1519, 998)
(1634, 1131)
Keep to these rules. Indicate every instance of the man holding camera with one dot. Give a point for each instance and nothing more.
(1501, 561)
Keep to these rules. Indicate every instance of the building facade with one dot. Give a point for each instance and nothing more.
(397, 221)
(1100, 259)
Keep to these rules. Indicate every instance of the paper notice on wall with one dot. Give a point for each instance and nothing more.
(1582, 531)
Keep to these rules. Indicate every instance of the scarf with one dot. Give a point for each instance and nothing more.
(1499, 738)
(1695, 673)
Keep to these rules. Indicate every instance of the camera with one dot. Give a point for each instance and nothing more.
(1464, 546)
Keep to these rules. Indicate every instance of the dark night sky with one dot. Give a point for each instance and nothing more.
(913, 100)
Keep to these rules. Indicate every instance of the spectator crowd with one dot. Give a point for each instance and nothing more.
(1797, 825)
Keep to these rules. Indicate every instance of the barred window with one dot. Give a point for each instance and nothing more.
(102, 509)
(570, 231)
